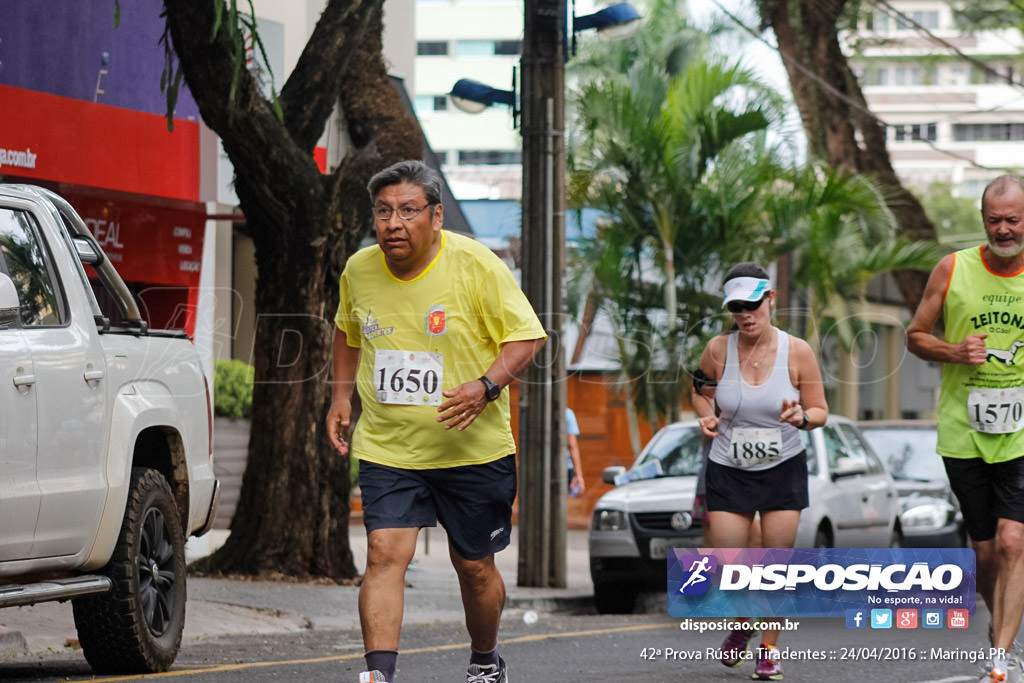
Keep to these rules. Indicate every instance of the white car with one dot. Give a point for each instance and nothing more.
(853, 503)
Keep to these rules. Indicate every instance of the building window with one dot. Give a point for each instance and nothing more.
(959, 75)
(508, 47)
(474, 48)
(928, 19)
(988, 132)
(488, 48)
(883, 21)
(904, 75)
(909, 132)
(489, 157)
(431, 48)
(425, 104)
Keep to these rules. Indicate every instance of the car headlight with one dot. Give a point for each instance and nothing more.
(609, 520)
(927, 516)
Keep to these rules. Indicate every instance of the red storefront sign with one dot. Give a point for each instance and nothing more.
(146, 243)
(95, 145)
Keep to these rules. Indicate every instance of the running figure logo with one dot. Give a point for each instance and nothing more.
(698, 568)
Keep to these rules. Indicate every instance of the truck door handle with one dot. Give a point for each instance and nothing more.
(24, 380)
(93, 375)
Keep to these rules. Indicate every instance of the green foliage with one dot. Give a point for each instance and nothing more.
(956, 219)
(837, 229)
(239, 27)
(232, 389)
(672, 147)
(980, 15)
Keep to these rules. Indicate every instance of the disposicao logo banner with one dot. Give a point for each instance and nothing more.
(816, 582)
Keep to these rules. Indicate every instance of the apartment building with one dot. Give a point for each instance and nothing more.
(481, 40)
(952, 101)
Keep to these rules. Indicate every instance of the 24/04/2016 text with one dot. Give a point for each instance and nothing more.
(874, 654)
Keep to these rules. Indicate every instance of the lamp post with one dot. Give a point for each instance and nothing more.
(542, 399)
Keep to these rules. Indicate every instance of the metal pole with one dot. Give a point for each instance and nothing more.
(542, 491)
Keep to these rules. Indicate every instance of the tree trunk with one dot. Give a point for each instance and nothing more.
(839, 126)
(292, 516)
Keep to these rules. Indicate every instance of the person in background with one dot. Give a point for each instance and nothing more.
(431, 326)
(575, 465)
(768, 387)
(978, 292)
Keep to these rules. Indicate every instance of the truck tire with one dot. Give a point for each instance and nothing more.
(137, 626)
(614, 598)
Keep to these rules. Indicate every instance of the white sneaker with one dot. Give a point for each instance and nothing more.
(995, 670)
(491, 673)
(374, 676)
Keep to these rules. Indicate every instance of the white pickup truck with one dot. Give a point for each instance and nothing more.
(106, 463)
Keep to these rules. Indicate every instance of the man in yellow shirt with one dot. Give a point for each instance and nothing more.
(979, 293)
(431, 326)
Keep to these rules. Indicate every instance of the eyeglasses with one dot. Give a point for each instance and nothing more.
(745, 306)
(382, 212)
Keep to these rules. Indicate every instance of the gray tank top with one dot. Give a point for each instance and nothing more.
(750, 435)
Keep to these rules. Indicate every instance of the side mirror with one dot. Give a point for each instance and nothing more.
(848, 467)
(10, 307)
(608, 474)
(87, 253)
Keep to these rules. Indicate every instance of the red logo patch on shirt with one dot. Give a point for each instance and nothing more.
(436, 321)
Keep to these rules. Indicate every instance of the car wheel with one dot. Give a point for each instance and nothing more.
(137, 626)
(896, 540)
(823, 537)
(614, 598)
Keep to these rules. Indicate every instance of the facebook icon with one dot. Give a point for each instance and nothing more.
(856, 618)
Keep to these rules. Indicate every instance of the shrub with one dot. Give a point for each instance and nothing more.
(232, 389)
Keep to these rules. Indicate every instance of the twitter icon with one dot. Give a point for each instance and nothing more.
(881, 618)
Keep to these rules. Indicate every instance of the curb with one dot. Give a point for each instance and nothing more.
(576, 604)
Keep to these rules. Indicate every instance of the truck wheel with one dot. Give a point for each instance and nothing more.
(614, 598)
(136, 627)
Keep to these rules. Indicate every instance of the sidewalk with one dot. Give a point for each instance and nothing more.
(224, 606)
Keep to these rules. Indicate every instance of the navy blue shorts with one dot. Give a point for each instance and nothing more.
(987, 493)
(472, 502)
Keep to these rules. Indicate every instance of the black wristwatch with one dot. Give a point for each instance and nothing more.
(491, 390)
(805, 423)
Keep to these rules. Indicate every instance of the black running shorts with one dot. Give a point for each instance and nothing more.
(782, 487)
(987, 493)
(472, 502)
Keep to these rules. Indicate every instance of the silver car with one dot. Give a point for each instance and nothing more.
(853, 503)
(929, 512)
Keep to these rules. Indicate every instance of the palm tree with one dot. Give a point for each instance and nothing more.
(651, 147)
(840, 233)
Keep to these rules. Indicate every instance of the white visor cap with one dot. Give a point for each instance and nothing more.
(746, 289)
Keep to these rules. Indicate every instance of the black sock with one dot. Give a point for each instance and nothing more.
(483, 658)
(383, 661)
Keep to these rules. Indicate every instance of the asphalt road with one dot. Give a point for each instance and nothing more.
(582, 648)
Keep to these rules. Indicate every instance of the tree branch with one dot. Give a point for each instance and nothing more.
(311, 92)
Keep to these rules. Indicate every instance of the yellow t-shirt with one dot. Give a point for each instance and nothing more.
(462, 308)
(981, 407)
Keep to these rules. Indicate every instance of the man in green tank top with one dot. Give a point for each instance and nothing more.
(979, 293)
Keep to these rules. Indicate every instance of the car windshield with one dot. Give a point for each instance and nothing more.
(677, 448)
(907, 453)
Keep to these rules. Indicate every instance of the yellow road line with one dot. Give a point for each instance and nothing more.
(217, 668)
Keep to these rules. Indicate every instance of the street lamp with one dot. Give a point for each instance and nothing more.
(615, 21)
(473, 97)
